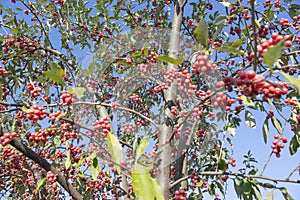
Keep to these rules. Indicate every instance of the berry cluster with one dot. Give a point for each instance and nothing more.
(184, 82)
(252, 85)
(92, 84)
(270, 114)
(294, 127)
(3, 71)
(37, 113)
(204, 65)
(6, 137)
(4, 91)
(115, 106)
(51, 178)
(34, 89)
(67, 132)
(102, 125)
(40, 136)
(129, 128)
(134, 97)
(291, 102)
(160, 87)
(275, 39)
(277, 145)
(54, 115)
(232, 162)
(220, 100)
(180, 194)
(67, 98)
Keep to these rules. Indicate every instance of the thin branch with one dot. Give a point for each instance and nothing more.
(212, 173)
(266, 164)
(292, 172)
(254, 33)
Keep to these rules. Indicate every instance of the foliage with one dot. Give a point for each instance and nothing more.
(96, 105)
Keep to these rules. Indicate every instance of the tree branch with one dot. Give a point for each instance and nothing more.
(213, 173)
(17, 144)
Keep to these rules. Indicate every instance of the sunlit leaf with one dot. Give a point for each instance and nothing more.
(201, 33)
(256, 192)
(142, 147)
(270, 195)
(78, 91)
(115, 150)
(294, 144)
(158, 194)
(265, 130)
(273, 54)
(276, 123)
(41, 183)
(68, 160)
(230, 49)
(144, 186)
(285, 194)
(169, 59)
(246, 100)
(249, 119)
(55, 73)
(95, 168)
(292, 80)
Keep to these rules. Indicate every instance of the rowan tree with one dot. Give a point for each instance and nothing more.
(142, 99)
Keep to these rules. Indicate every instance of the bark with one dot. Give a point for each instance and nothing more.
(166, 132)
(61, 179)
(17, 144)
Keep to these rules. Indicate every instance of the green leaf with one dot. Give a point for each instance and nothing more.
(273, 54)
(41, 183)
(267, 185)
(142, 147)
(231, 131)
(158, 194)
(201, 33)
(294, 10)
(237, 44)
(144, 186)
(55, 73)
(265, 130)
(169, 59)
(231, 50)
(15, 31)
(27, 110)
(136, 54)
(246, 100)
(68, 160)
(294, 144)
(249, 119)
(95, 168)
(285, 193)
(78, 91)
(146, 52)
(270, 195)
(276, 123)
(270, 13)
(256, 192)
(225, 3)
(115, 150)
(222, 164)
(293, 81)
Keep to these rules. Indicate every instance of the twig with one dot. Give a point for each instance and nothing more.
(213, 173)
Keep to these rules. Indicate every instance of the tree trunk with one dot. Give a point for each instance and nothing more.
(166, 132)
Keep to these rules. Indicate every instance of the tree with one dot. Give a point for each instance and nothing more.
(88, 88)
